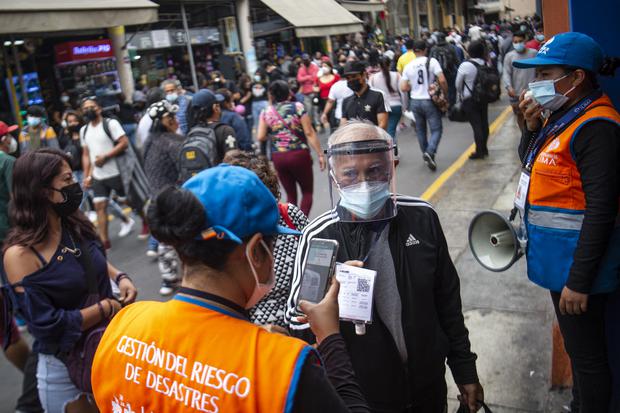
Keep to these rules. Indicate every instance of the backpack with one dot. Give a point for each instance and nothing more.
(445, 58)
(199, 151)
(486, 85)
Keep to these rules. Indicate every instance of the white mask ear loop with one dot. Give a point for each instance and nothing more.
(569, 90)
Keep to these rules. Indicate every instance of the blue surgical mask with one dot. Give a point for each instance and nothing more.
(172, 97)
(365, 199)
(519, 47)
(33, 120)
(545, 94)
(540, 37)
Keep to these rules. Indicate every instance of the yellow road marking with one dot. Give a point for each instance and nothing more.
(458, 164)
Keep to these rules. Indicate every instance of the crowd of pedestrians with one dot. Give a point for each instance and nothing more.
(202, 171)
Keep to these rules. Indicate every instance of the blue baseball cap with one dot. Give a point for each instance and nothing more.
(204, 98)
(237, 204)
(567, 49)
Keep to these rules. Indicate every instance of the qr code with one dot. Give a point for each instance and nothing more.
(362, 285)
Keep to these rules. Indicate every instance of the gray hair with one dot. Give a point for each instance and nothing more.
(175, 82)
(357, 130)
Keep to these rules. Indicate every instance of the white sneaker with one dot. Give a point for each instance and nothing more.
(151, 254)
(166, 290)
(169, 277)
(92, 216)
(126, 228)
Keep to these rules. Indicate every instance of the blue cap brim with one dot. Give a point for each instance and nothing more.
(536, 61)
(219, 98)
(219, 232)
(280, 230)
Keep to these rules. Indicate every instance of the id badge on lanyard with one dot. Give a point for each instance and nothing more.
(522, 191)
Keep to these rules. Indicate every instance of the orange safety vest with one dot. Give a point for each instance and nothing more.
(188, 355)
(556, 206)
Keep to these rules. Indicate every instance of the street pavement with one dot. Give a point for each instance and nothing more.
(509, 319)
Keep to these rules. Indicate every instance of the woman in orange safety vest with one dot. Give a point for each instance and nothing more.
(571, 157)
(199, 352)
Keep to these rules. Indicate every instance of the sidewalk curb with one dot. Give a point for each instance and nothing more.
(433, 188)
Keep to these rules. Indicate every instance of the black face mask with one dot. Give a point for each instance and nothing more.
(72, 195)
(355, 85)
(73, 128)
(90, 115)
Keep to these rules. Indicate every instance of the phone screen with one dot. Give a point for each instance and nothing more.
(317, 271)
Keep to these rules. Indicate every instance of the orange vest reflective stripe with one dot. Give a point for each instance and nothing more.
(556, 207)
(187, 355)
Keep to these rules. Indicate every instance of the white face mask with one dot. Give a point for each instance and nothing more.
(260, 290)
(365, 199)
(12, 144)
(545, 94)
(33, 120)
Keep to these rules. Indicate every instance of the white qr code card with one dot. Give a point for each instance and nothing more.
(356, 291)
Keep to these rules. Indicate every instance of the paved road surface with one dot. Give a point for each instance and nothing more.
(413, 177)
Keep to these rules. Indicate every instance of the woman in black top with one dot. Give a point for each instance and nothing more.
(69, 140)
(44, 260)
(161, 165)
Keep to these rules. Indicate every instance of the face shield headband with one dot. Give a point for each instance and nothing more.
(362, 175)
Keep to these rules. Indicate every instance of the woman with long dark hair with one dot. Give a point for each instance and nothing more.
(161, 165)
(51, 254)
(290, 130)
(387, 81)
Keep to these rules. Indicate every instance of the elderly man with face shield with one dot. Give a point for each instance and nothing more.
(570, 151)
(417, 317)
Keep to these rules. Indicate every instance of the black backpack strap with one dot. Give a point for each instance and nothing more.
(106, 130)
(477, 66)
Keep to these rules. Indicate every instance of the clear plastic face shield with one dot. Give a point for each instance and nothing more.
(362, 180)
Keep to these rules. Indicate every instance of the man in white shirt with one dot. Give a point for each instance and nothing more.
(337, 94)
(101, 144)
(418, 75)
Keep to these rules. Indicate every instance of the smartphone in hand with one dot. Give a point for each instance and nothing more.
(319, 268)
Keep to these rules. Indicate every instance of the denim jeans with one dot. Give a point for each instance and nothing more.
(257, 108)
(56, 389)
(152, 243)
(425, 111)
(130, 131)
(393, 119)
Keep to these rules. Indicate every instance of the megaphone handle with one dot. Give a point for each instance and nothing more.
(513, 214)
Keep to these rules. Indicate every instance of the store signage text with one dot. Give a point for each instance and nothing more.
(81, 50)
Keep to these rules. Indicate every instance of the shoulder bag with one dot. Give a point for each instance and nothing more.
(79, 360)
(435, 91)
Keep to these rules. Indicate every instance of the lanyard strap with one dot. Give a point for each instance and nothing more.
(553, 128)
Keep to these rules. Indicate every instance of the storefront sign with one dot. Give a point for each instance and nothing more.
(228, 29)
(160, 39)
(86, 50)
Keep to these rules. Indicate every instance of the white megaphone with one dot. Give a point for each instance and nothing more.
(495, 241)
